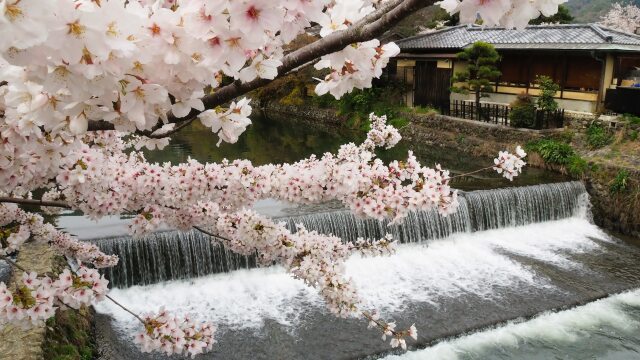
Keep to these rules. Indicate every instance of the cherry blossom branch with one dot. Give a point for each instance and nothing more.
(371, 26)
(34, 202)
(478, 171)
(125, 308)
(15, 265)
(210, 233)
(12, 263)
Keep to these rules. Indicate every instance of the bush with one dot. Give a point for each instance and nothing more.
(552, 151)
(548, 91)
(325, 101)
(631, 119)
(620, 183)
(598, 136)
(358, 104)
(295, 97)
(633, 135)
(577, 166)
(523, 112)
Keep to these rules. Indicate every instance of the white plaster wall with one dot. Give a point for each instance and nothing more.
(569, 105)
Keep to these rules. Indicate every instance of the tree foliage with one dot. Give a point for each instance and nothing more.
(482, 59)
(523, 112)
(563, 16)
(548, 90)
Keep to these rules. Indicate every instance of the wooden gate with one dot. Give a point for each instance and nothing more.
(432, 85)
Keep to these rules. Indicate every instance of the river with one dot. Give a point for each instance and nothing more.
(516, 273)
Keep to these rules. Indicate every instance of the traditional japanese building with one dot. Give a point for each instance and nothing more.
(597, 68)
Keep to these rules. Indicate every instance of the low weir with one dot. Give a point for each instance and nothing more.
(175, 255)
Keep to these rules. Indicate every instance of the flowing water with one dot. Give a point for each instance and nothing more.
(172, 255)
(508, 254)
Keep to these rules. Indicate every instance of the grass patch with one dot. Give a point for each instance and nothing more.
(425, 110)
(631, 119)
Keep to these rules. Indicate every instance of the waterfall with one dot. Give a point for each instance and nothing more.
(179, 255)
(494, 209)
(168, 255)
(416, 227)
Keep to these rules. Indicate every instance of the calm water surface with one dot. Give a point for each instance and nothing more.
(270, 140)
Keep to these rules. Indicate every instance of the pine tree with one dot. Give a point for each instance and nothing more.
(481, 72)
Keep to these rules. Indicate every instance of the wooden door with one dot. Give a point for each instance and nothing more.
(432, 85)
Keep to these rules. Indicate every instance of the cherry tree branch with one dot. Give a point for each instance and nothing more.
(371, 26)
(59, 204)
(12, 263)
(125, 309)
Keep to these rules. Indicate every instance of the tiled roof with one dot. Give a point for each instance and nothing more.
(557, 37)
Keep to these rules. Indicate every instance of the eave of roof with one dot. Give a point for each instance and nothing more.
(542, 37)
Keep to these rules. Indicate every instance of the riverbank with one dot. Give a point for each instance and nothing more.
(614, 210)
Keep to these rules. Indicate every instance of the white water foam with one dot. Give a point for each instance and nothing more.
(464, 263)
(551, 328)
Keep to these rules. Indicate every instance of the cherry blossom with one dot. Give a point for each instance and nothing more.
(509, 13)
(510, 165)
(82, 287)
(622, 17)
(172, 335)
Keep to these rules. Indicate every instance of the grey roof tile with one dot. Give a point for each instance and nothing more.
(572, 36)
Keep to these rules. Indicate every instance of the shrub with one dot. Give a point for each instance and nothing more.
(552, 151)
(620, 183)
(523, 112)
(548, 89)
(598, 136)
(358, 104)
(295, 97)
(577, 166)
(325, 101)
(631, 119)
(633, 135)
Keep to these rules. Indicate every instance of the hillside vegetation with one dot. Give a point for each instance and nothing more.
(586, 11)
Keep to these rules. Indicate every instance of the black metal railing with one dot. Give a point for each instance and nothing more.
(499, 114)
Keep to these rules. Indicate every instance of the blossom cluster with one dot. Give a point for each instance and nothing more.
(354, 67)
(172, 335)
(508, 13)
(134, 63)
(82, 287)
(34, 300)
(18, 226)
(105, 181)
(623, 17)
(31, 303)
(510, 165)
(398, 337)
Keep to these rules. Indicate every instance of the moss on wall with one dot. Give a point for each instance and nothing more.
(69, 336)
